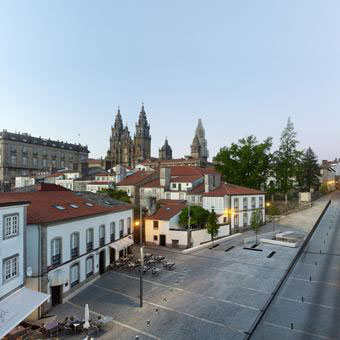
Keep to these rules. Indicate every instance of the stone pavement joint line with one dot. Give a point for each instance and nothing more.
(299, 331)
(173, 310)
(118, 322)
(187, 291)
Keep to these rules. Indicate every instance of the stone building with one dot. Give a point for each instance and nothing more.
(123, 149)
(24, 155)
(165, 152)
(199, 148)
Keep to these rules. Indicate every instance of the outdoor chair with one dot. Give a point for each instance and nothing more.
(155, 271)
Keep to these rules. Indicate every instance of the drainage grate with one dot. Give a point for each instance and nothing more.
(271, 254)
(230, 248)
(252, 249)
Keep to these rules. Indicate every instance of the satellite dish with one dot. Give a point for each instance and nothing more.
(29, 271)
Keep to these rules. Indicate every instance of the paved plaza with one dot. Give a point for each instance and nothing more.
(308, 305)
(210, 294)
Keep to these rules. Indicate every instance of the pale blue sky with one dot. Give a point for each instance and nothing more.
(241, 66)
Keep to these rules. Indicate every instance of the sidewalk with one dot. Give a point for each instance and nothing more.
(305, 220)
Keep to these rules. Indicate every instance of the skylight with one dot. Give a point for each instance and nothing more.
(74, 206)
(59, 207)
(88, 204)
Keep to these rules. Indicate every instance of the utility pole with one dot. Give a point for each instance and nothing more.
(141, 255)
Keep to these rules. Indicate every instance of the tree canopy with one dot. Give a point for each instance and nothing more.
(212, 225)
(309, 172)
(287, 160)
(119, 195)
(198, 217)
(256, 221)
(246, 163)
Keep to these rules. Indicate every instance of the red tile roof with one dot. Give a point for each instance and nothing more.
(185, 179)
(231, 189)
(191, 170)
(166, 212)
(169, 202)
(55, 174)
(197, 190)
(42, 208)
(152, 184)
(135, 178)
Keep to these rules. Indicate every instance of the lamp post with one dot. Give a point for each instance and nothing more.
(141, 256)
(189, 226)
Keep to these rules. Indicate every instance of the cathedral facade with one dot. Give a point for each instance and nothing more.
(125, 150)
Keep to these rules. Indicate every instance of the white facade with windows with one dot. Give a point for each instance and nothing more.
(13, 268)
(73, 247)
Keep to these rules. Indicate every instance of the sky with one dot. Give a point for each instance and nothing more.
(242, 66)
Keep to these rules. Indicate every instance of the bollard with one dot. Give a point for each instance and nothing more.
(302, 298)
(148, 323)
(291, 326)
(310, 278)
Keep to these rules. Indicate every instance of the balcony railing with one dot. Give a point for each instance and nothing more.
(74, 283)
(89, 246)
(129, 230)
(101, 241)
(112, 237)
(74, 252)
(56, 260)
(121, 233)
(89, 274)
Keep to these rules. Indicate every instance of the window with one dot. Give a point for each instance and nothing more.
(101, 235)
(179, 186)
(13, 159)
(261, 202)
(112, 231)
(44, 163)
(253, 202)
(121, 228)
(245, 219)
(174, 185)
(74, 274)
(155, 225)
(89, 239)
(181, 196)
(35, 161)
(224, 219)
(62, 164)
(129, 225)
(74, 245)
(168, 196)
(11, 226)
(24, 161)
(155, 237)
(236, 204)
(56, 252)
(10, 268)
(74, 206)
(192, 198)
(142, 191)
(236, 220)
(89, 266)
(245, 203)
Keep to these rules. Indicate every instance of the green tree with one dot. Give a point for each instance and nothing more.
(198, 217)
(287, 160)
(212, 225)
(246, 163)
(256, 221)
(273, 213)
(309, 173)
(119, 195)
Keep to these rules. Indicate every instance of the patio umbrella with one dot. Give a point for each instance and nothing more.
(87, 317)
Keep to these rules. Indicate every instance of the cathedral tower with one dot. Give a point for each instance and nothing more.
(165, 152)
(199, 146)
(142, 138)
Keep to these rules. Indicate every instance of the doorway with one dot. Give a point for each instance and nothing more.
(56, 293)
(112, 255)
(162, 240)
(102, 262)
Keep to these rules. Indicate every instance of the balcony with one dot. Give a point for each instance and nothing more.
(89, 246)
(74, 252)
(56, 260)
(74, 283)
(112, 237)
(89, 274)
(245, 208)
(121, 233)
(101, 241)
(129, 230)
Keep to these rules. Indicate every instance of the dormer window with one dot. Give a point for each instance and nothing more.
(59, 207)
